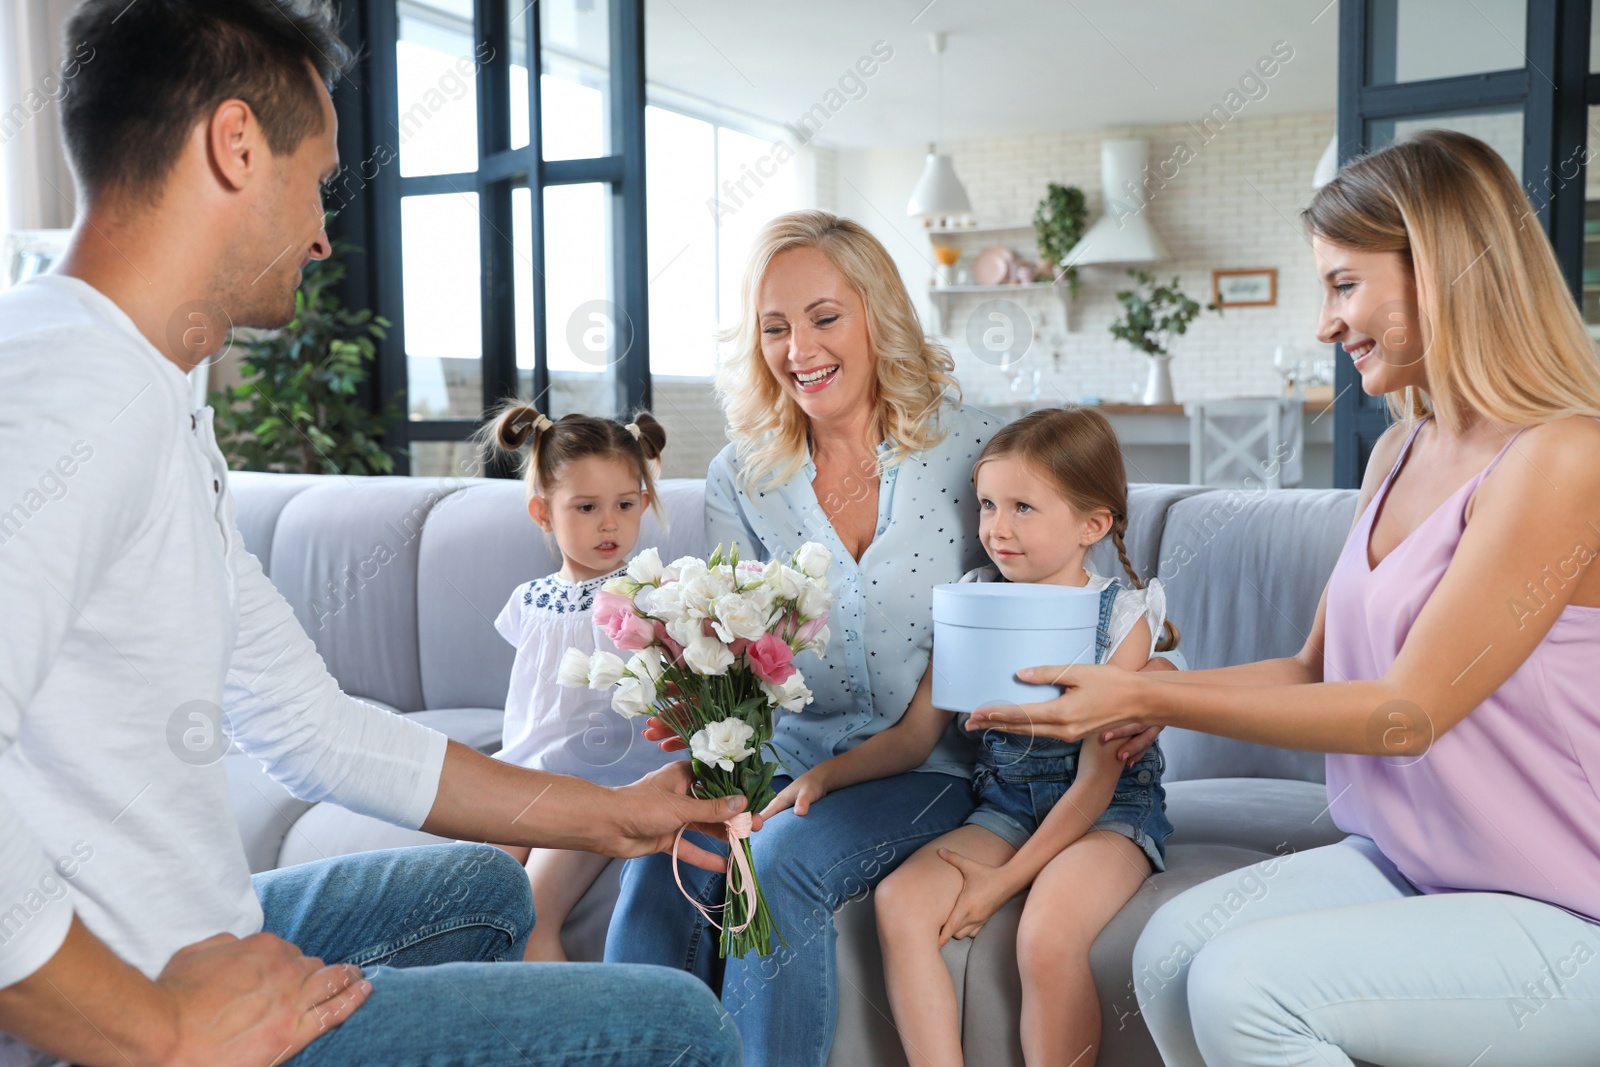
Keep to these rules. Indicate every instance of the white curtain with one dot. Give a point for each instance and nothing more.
(36, 189)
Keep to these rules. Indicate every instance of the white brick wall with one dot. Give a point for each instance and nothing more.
(1233, 206)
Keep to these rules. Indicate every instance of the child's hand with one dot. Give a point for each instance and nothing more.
(659, 730)
(1143, 737)
(983, 890)
(799, 794)
(663, 735)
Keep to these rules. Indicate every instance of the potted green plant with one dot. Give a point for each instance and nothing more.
(1151, 317)
(298, 407)
(1058, 223)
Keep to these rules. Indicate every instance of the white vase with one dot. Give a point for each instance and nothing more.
(1158, 386)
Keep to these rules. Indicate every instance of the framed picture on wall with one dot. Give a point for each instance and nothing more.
(1256, 287)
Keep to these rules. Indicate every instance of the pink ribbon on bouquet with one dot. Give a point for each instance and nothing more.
(738, 829)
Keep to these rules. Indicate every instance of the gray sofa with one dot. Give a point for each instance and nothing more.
(398, 581)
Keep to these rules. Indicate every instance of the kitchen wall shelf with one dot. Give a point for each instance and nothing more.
(942, 296)
(992, 227)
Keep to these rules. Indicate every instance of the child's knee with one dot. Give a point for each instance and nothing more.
(899, 902)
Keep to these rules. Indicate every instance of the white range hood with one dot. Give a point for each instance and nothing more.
(1123, 233)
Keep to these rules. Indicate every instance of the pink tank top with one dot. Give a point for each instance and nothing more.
(1509, 799)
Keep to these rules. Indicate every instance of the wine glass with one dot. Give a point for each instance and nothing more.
(1286, 368)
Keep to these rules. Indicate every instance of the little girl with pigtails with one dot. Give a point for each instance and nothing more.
(588, 483)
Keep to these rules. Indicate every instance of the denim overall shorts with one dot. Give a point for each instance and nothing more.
(1019, 778)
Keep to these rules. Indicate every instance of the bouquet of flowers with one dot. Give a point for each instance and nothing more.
(714, 643)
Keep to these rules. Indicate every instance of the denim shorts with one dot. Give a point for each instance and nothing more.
(1018, 779)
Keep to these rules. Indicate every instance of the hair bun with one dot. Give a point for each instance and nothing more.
(650, 434)
(518, 423)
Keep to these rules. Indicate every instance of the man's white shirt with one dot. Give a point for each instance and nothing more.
(130, 613)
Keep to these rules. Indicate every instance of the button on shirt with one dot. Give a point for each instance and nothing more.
(137, 629)
(882, 618)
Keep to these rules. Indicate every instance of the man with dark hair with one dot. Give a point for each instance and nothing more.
(131, 932)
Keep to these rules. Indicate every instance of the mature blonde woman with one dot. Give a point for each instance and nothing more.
(1451, 672)
(848, 431)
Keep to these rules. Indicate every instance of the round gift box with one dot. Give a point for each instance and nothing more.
(985, 632)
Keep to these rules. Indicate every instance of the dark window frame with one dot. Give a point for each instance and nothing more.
(1554, 88)
(368, 106)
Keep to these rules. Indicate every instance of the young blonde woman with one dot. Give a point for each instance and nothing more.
(1450, 673)
(848, 430)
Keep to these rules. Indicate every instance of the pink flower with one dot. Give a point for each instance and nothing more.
(627, 630)
(808, 632)
(608, 605)
(771, 659)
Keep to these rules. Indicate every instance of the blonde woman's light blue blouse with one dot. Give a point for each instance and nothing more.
(882, 619)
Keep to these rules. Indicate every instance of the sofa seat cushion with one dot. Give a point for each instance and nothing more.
(1272, 815)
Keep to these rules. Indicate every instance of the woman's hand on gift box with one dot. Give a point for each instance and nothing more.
(1094, 698)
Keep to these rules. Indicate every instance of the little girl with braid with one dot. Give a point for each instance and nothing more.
(588, 481)
(1064, 820)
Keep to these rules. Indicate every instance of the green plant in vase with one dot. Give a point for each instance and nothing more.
(298, 407)
(1152, 316)
(1058, 223)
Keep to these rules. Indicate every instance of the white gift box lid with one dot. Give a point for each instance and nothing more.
(985, 632)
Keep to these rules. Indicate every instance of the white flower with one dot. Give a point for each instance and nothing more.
(813, 600)
(574, 669)
(707, 655)
(784, 580)
(622, 585)
(634, 698)
(792, 695)
(813, 560)
(819, 643)
(700, 592)
(664, 602)
(686, 629)
(723, 743)
(762, 595)
(737, 615)
(684, 568)
(645, 568)
(645, 664)
(605, 668)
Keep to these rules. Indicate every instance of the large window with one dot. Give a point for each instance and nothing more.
(552, 239)
(1514, 73)
(711, 189)
(503, 216)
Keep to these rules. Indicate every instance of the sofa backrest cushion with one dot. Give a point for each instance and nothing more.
(260, 499)
(478, 545)
(1244, 573)
(345, 557)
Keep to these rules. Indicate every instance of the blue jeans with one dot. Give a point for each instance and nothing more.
(1019, 778)
(1310, 959)
(434, 927)
(785, 1004)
